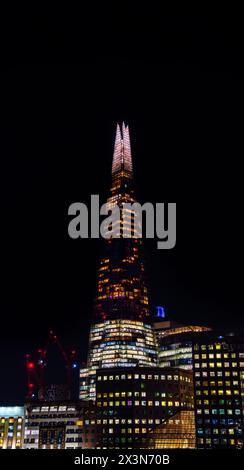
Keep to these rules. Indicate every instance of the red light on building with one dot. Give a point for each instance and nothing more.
(30, 365)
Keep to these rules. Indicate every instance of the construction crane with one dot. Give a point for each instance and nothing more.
(36, 364)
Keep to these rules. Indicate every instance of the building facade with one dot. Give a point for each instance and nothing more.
(130, 403)
(218, 368)
(11, 427)
(56, 425)
(175, 343)
(176, 432)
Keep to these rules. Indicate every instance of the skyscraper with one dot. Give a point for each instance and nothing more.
(121, 333)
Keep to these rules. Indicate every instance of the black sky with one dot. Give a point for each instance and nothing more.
(67, 78)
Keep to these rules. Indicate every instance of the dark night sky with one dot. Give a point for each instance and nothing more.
(67, 79)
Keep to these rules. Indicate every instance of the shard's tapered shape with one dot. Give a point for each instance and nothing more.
(121, 334)
(122, 159)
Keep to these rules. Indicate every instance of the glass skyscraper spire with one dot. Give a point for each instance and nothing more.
(121, 334)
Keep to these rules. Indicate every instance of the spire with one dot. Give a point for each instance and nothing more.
(117, 151)
(127, 149)
(122, 151)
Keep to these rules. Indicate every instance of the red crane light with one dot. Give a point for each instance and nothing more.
(30, 365)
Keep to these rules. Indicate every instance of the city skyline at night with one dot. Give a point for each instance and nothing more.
(122, 333)
(210, 297)
(131, 351)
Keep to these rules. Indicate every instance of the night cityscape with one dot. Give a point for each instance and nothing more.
(113, 344)
(149, 382)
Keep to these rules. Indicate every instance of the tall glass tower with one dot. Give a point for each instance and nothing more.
(121, 334)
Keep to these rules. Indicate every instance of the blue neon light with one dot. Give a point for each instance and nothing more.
(160, 312)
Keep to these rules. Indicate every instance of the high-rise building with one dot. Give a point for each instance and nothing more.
(133, 402)
(121, 333)
(175, 343)
(218, 368)
(11, 427)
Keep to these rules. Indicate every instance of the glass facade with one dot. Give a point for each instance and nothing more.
(121, 333)
(177, 432)
(175, 344)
